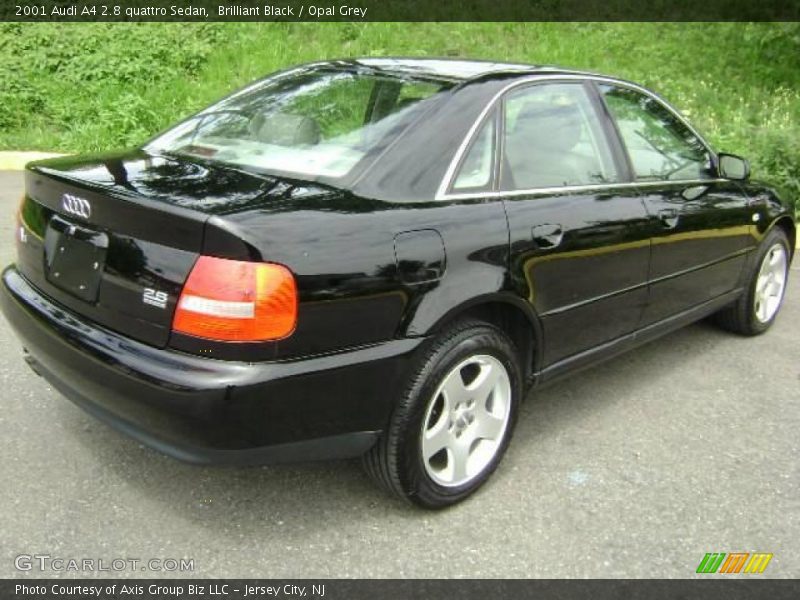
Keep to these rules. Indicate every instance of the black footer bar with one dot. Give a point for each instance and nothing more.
(463, 589)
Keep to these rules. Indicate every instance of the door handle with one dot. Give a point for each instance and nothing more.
(548, 235)
(668, 217)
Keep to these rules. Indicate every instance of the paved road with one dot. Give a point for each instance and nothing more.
(636, 468)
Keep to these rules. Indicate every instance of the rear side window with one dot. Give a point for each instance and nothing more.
(553, 138)
(659, 145)
(475, 171)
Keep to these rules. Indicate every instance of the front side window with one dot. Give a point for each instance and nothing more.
(317, 122)
(553, 138)
(659, 145)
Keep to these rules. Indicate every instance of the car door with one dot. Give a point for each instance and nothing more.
(700, 223)
(579, 243)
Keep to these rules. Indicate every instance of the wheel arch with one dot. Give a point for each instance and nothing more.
(787, 224)
(509, 313)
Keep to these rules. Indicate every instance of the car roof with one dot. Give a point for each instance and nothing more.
(456, 69)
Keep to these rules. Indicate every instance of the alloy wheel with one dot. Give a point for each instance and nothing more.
(466, 420)
(770, 284)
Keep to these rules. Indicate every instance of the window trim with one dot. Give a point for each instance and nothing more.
(568, 189)
(444, 192)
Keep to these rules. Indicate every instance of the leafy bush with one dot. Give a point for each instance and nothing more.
(83, 87)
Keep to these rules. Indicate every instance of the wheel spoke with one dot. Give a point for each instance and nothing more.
(454, 390)
(763, 295)
(484, 383)
(780, 279)
(436, 439)
(459, 456)
(775, 257)
(488, 426)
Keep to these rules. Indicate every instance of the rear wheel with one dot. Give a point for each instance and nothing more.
(757, 308)
(453, 421)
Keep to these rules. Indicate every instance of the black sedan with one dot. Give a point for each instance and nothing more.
(379, 258)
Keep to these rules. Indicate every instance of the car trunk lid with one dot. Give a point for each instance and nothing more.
(114, 237)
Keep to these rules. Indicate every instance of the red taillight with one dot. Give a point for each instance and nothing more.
(237, 301)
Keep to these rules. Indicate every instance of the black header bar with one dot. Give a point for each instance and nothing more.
(399, 10)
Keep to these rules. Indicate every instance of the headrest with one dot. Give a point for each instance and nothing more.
(556, 127)
(284, 129)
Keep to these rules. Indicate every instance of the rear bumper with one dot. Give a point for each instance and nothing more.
(204, 410)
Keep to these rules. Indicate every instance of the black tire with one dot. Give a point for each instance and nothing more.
(740, 317)
(396, 461)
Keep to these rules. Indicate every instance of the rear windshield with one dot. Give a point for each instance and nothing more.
(317, 122)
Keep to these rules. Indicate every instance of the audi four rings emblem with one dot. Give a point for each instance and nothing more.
(74, 205)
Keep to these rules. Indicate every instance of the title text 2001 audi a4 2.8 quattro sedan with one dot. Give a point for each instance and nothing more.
(378, 257)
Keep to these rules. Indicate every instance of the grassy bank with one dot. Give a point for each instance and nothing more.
(95, 86)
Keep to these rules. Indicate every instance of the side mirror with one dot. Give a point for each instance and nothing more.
(734, 167)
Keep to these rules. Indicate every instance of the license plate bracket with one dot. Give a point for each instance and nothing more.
(74, 258)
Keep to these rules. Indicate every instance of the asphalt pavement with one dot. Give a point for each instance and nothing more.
(635, 468)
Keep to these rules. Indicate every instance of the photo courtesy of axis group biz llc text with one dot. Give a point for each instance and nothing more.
(167, 589)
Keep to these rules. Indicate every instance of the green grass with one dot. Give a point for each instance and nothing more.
(83, 87)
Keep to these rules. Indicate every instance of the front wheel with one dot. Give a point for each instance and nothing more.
(454, 420)
(757, 308)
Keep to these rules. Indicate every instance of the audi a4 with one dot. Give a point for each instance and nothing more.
(378, 258)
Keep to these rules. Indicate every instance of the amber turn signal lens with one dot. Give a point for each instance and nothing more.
(239, 301)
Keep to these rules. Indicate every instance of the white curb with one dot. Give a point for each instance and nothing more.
(16, 161)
